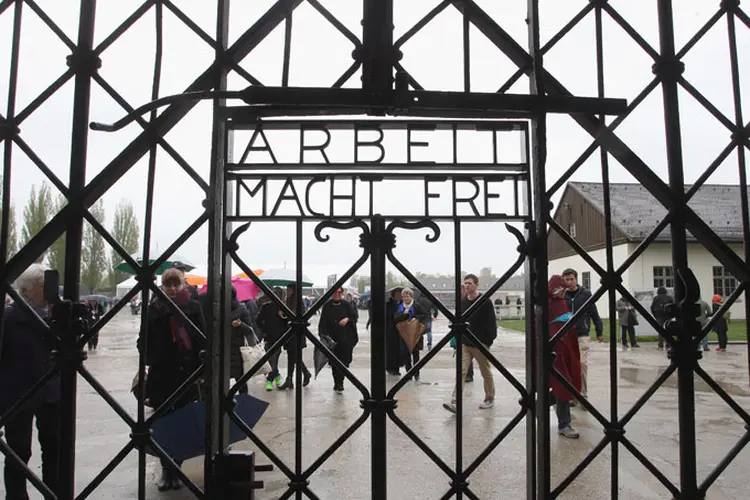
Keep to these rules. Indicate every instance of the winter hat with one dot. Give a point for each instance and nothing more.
(716, 299)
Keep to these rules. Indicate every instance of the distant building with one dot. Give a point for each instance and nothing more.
(635, 214)
(444, 288)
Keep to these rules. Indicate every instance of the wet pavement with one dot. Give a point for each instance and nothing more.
(411, 474)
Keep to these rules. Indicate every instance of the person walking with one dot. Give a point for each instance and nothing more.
(409, 309)
(338, 320)
(628, 320)
(721, 327)
(577, 296)
(272, 324)
(293, 349)
(239, 331)
(483, 325)
(659, 309)
(172, 353)
(432, 312)
(567, 355)
(26, 357)
(703, 319)
(390, 336)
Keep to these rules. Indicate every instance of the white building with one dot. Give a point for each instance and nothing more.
(635, 214)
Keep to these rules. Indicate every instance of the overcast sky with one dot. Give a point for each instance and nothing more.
(319, 55)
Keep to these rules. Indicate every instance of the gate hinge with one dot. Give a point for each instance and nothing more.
(83, 61)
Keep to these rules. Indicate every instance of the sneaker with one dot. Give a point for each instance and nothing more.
(720, 349)
(451, 407)
(706, 349)
(636, 346)
(568, 432)
(486, 404)
(338, 388)
(277, 380)
(306, 379)
(269, 386)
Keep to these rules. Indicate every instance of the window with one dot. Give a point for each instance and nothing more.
(572, 229)
(586, 280)
(663, 276)
(724, 283)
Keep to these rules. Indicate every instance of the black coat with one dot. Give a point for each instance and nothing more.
(237, 336)
(169, 363)
(271, 323)
(483, 323)
(25, 358)
(331, 314)
(421, 315)
(576, 300)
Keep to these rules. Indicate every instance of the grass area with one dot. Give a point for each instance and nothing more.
(737, 330)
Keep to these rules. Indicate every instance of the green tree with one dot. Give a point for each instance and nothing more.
(37, 213)
(362, 283)
(56, 253)
(93, 254)
(126, 231)
(392, 280)
(12, 231)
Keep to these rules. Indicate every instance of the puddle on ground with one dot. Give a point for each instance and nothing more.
(648, 376)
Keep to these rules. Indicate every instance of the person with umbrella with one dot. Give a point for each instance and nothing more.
(409, 309)
(172, 352)
(293, 350)
(338, 321)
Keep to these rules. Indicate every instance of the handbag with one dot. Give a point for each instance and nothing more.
(251, 354)
(411, 331)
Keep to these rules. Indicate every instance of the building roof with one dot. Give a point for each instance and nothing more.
(514, 283)
(636, 212)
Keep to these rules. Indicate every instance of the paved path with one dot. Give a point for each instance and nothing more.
(411, 475)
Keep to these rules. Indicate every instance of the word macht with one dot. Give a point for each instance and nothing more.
(325, 196)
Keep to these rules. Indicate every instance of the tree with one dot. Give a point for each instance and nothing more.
(362, 283)
(126, 231)
(37, 213)
(392, 280)
(93, 254)
(56, 253)
(12, 231)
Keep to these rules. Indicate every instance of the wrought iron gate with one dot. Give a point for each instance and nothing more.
(380, 56)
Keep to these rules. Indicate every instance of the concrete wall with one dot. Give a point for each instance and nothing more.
(640, 275)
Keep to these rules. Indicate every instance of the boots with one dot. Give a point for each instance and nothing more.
(306, 378)
(165, 481)
(287, 384)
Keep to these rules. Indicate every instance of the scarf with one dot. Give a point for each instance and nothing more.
(180, 335)
(406, 309)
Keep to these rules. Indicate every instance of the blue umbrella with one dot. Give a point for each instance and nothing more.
(182, 432)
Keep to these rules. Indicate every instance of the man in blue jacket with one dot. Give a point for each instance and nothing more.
(577, 296)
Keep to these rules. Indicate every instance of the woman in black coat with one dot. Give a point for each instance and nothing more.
(407, 309)
(172, 352)
(240, 330)
(25, 357)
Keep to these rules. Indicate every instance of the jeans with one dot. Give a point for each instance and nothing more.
(704, 343)
(562, 408)
(428, 329)
(18, 434)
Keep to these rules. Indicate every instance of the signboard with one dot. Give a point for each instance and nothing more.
(344, 169)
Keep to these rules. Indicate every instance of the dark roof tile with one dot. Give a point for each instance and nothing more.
(636, 212)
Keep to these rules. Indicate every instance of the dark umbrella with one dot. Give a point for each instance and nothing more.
(320, 359)
(182, 432)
